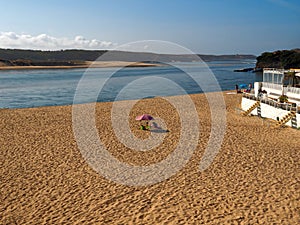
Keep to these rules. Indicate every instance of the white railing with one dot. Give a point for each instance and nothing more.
(272, 70)
(294, 90)
(272, 86)
(274, 103)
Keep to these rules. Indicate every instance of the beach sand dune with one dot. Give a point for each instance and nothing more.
(44, 179)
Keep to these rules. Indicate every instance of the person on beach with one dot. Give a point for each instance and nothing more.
(249, 87)
(147, 127)
(237, 89)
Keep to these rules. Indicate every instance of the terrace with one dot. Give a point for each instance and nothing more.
(277, 82)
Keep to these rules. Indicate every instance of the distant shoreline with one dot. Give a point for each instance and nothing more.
(87, 64)
(13, 59)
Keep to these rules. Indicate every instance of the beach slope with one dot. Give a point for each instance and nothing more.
(254, 179)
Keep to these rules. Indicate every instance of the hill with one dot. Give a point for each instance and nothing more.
(284, 59)
(21, 57)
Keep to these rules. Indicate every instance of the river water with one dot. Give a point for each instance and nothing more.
(48, 87)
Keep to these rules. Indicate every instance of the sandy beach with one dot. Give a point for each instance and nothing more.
(254, 179)
(87, 64)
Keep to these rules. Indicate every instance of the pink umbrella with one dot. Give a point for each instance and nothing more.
(144, 117)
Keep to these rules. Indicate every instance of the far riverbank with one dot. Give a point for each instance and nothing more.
(86, 64)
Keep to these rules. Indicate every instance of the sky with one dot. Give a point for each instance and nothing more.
(203, 26)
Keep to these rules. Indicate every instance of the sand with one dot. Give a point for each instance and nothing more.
(254, 179)
(95, 64)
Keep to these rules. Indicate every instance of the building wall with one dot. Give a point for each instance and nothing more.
(268, 111)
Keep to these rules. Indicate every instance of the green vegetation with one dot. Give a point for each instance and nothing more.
(283, 98)
(36, 57)
(284, 59)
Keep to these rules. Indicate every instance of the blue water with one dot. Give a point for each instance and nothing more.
(34, 88)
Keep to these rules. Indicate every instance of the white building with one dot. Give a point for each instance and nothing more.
(277, 97)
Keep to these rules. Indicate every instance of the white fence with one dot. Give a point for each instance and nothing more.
(294, 90)
(287, 90)
(268, 111)
(271, 85)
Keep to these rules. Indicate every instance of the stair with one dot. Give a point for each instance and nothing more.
(286, 118)
(256, 104)
(259, 111)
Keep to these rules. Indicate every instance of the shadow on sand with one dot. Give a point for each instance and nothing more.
(160, 131)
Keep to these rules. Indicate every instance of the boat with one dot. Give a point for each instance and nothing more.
(277, 97)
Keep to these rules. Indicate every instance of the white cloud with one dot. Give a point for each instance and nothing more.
(46, 42)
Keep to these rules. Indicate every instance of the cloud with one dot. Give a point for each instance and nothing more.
(46, 42)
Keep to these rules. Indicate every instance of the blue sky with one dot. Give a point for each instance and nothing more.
(204, 26)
